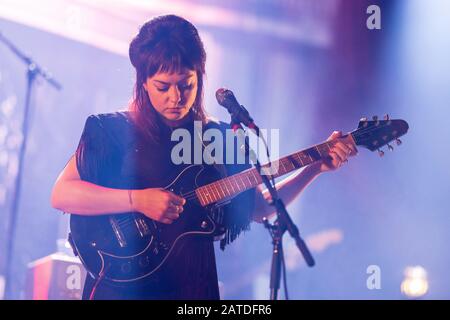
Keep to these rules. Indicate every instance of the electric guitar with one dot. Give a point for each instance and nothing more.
(123, 248)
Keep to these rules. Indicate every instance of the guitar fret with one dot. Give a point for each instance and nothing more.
(198, 194)
(221, 188)
(205, 194)
(249, 181)
(291, 164)
(318, 150)
(202, 195)
(282, 164)
(243, 183)
(250, 175)
(226, 186)
(311, 158)
(300, 158)
(323, 150)
(214, 192)
(255, 177)
(305, 158)
(217, 186)
(231, 185)
(237, 183)
(208, 193)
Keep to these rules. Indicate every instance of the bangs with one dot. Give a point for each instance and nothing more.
(170, 60)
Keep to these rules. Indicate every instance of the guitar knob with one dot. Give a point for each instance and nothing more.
(380, 153)
(398, 141)
(163, 245)
(204, 225)
(144, 261)
(125, 267)
(391, 148)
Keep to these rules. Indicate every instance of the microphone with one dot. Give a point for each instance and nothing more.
(238, 113)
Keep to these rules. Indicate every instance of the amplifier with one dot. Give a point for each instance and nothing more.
(55, 277)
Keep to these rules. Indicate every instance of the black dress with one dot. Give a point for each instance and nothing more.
(114, 154)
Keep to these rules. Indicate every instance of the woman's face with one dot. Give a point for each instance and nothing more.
(172, 94)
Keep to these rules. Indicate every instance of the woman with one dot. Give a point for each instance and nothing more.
(122, 158)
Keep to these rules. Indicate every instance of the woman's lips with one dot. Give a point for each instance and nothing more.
(174, 110)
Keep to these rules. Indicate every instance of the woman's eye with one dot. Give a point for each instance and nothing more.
(186, 87)
(180, 87)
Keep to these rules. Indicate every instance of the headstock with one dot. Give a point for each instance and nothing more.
(374, 134)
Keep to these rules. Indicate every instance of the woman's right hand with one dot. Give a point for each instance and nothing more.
(158, 204)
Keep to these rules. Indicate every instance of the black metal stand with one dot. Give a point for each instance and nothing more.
(282, 223)
(276, 232)
(33, 70)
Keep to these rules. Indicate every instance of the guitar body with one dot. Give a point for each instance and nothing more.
(123, 248)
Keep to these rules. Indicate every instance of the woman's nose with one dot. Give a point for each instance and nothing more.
(175, 95)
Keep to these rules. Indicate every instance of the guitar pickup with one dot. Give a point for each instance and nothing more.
(118, 233)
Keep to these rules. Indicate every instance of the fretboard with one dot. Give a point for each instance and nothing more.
(231, 186)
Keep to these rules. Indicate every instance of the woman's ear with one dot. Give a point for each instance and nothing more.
(145, 86)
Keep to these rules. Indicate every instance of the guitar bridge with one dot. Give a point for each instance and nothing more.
(142, 227)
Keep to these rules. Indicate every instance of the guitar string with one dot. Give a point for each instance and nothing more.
(359, 133)
(356, 134)
(191, 195)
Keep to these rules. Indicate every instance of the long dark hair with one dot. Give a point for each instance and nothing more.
(165, 44)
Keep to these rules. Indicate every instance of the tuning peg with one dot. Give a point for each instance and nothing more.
(363, 122)
(386, 117)
(398, 141)
(375, 118)
(391, 148)
(380, 153)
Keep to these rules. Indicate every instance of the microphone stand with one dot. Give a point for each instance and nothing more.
(283, 221)
(33, 70)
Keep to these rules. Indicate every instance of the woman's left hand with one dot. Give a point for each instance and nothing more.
(339, 153)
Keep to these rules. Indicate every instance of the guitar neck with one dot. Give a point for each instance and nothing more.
(231, 186)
